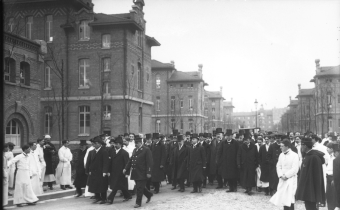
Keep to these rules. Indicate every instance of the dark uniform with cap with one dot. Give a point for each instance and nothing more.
(140, 165)
(196, 165)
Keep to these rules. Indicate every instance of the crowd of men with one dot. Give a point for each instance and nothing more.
(285, 166)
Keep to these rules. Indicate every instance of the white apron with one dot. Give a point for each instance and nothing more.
(9, 155)
(5, 181)
(63, 171)
(35, 173)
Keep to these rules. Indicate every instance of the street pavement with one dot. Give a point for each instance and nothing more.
(210, 199)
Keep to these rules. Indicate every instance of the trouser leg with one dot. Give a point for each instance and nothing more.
(310, 205)
(79, 191)
(174, 182)
(156, 185)
(148, 184)
(181, 183)
(141, 189)
(112, 195)
(219, 180)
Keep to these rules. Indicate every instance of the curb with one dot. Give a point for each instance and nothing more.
(48, 196)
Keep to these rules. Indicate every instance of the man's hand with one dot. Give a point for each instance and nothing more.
(104, 174)
(148, 176)
(108, 174)
(161, 166)
(124, 170)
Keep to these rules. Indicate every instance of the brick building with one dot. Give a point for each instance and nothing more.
(228, 110)
(305, 110)
(22, 81)
(178, 98)
(97, 73)
(213, 110)
(262, 119)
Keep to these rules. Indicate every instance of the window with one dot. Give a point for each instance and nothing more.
(139, 38)
(191, 125)
(173, 124)
(158, 102)
(83, 69)
(213, 102)
(213, 117)
(107, 112)
(213, 110)
(29, 23)
(181, 103)
(190, 103)
(206, 112)
(171, 86)
(84, 120)
(132, 69)
(11, 24)
(140, 119)
(190, 85)
(47, 77)
(182, 124)
(84, 30)
(158, 81)
(106, 89)
(139, 76)
(49, 26)
(9, 74)
(106, 41)
(13, 133)
(213, 125)
(106, 64)
(25, 73)
(158, 126)
(329, 98)
(48, 119)
(172, 103)
(147, 77)
(338, 98)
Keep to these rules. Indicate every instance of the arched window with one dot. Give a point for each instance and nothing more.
(13, 133)
(107, 112)
(48, 120)
(84, 30)
(9, 74)
(25, 73)
(158, 81)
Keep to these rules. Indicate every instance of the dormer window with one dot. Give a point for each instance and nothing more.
(84, 30)
(106, 41)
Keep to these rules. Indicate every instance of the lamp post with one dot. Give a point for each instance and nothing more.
(328, 109)
(256, 112)
(227, 121)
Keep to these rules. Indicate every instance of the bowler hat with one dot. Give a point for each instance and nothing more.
(175, 132)
(194, 135)
(187, 133)
(118, 140)
(138, 139)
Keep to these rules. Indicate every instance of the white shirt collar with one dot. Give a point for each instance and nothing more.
(98, 149)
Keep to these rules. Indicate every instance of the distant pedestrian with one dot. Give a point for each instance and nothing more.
(64, 171)
(87, 193)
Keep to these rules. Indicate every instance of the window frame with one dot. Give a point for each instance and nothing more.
(158, 81)
(172, 103)
(107, 112)
(85, 34)
(104, 64)
(47, 82)
(158, 126)
(49, 28)
(85, 113)
(48, 119)
(106, 41)
(83, 72)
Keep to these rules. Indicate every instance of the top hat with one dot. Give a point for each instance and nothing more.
(83, 142)
(218, 130)
(118, 140)
(229, 132)
(148, 136)
(155, 135)
(194, 135)
(187, 133)
(175, 132)
(180, 137)
(201, 134)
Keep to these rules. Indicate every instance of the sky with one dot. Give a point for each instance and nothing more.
(254, 49)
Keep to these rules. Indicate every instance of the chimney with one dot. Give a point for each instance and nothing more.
(299, 85)
(290, 98)
(200, 66)
(221, 89)
(172, 63)
(317, 63)
(139, 3)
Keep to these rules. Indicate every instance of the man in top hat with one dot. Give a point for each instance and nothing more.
(227, 161)
(148, 140)
(264, 165)
(168, 167)
(196, 164)
(274, 152)
(311, 188)
(208, 140)
(158, 156)
(117, 180)
(187, 140)
(140, 165)
(49, 151)
(81, 177)
(97, 166)
(247, 161)
(63, 171)
(216, 145)
(336, 174)
(179, 160)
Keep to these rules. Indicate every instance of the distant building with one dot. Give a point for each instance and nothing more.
(228, 115)
(213, 110)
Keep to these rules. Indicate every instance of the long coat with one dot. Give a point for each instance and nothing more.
(81, 177)
(179, 160)
(247, 158)
(197, 161)
(159, 157)
(274, 152)
(311, 184)
(48, 156)
(207, 155)
(264, 163)
(140, 163)
(97, 164)
(336, 177)
(227, 159)
(168, 167)
(117, 163)
(213, 157)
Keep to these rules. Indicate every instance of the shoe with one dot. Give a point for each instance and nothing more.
(19, 205)
(78, 195)
(199, 189)
(194, 191)
(173, 188)
(127, 199)
(219, 187)
(93, 197)
(51, 188)
(149, 199)
(68, 187)
(249, 193)
(96, 201)
(102, 202)
(230, 190)
(136, 206)
(109, 201)
(31, 204)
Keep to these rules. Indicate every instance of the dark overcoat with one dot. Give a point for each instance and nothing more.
(48, 156)
(227, 159)
(197, 161)
(207, 150)
(336, 177)
(168, 167)
(311, 183)
(273, 157)
(179, 160)
(97, 163)
(117, 163)
(264, 163)
(81, 176)
(159, 157)
(213, 157)
(247, 158)
(140, 163)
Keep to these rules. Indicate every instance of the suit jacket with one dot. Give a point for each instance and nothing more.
(197, 161)
(159, 158)
(227, 159)
(264, 163)
(81, 177)
(213, 157)
(140, 163)
(117, 163)
(97, 163)
(179, 159)
(247, 158)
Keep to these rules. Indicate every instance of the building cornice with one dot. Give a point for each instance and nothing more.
(183, 115)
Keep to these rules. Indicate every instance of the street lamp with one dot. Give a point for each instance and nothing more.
(256, 112)
(329, 107)
(227, 121)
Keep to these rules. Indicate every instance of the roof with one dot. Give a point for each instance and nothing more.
(155, 64)
(80, 3)
(101, 19)
(179, 76)
(213, 94)
(293, 103)
(305, 92)
(228, 104)
(152, 41)
(328, 71)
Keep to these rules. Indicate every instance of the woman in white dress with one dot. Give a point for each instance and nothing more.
(23, 192)
(63, 172)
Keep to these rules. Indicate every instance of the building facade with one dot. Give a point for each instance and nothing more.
(213, 110)
(228, 116)
(22, 86)
(261, 118)
(97, 71)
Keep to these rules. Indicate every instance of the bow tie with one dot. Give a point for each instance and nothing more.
(285, 153)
